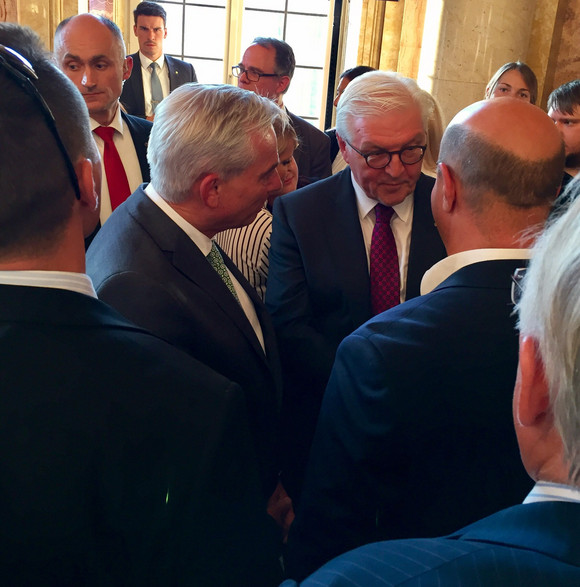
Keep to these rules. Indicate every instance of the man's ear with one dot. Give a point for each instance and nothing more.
(449, 184)
(127, 67)
(532, 394)
(210, 189)
(342, 146)
(283, 83)
(89, 187)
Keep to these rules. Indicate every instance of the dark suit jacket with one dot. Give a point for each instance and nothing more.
(318, 291)
(415, 435)
(132, 97)
(146, 267)
(124, 461)
(535, 544)
(313, 153)
(140, 130)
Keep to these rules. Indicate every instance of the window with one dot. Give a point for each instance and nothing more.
(214, 33)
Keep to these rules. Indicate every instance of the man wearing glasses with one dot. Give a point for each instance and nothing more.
(330, 271)
(415, 435)
(266, 69)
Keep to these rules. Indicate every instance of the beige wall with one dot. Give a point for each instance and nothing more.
(451, 46)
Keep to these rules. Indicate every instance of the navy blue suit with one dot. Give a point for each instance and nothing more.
(124, 461)
(140, 130)
(535, 544)
(318, 292)
(415, 435)
(147, 268)
(132, 96)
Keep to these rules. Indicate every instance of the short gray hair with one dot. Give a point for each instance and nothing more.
(549, 311)
(205, 128)
(376, 93)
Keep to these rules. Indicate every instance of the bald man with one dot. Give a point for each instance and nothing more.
(415, 435)
(90, 50)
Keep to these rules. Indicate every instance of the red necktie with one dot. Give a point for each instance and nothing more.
(119, 189)
(385, 280)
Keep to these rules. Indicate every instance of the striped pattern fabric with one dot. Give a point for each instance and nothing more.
(248, 248)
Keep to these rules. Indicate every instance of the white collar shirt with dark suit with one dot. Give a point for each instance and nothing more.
(537, 543)
(133, 96)
(415, 435)
(149, 269)
(124, 461)
(318, 289)
(131, 137)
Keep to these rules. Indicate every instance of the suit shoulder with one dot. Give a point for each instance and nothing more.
(137, 122)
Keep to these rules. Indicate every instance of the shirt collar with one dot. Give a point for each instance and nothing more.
(365, 204)
(449, 265)
(78, 282)
(203, 243)
(546, 491)
(116, 123)
(146, 62)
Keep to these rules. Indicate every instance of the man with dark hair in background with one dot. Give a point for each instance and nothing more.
(154, 74)
(124, 461)
(266, 68)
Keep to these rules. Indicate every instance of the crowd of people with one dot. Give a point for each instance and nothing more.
(237, 350)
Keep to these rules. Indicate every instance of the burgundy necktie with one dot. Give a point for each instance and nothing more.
(119, 189)
(385, 280)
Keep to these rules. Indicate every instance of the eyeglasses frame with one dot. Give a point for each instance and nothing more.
(390, 153)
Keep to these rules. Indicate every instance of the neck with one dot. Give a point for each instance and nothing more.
(104, 118)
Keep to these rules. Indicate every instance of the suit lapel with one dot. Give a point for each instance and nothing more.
(136, 81)
(173, 74)
(186, 257)
(140, 139)
(347, 249)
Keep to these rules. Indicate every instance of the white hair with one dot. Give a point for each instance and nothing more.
(205, 129)
(376, 93)
(549, 311)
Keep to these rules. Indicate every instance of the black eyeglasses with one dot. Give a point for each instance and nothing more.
(22, 72)
(408, 156)
(253, 76)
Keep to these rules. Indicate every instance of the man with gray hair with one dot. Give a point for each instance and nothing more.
(333, 265)
(415, 435)
(537, 542)
(213, 160)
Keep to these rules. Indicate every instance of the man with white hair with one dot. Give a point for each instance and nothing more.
(415, 435)
(537, 542)
(332, 265)
(155, 261)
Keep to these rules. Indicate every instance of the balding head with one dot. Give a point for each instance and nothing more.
(504, 158)
(91, 52)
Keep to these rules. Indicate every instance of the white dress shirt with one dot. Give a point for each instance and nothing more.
(162, 73)
(546, 491)
(126, 148)
(78, 282)
(401, 225)
(446, 267)
(204, 244)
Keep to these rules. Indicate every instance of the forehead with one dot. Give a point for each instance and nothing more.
(87, 39)
(266, 150)
(390, 130)
(262, 58)
(151, 22)
(559, 115)
(514, 78)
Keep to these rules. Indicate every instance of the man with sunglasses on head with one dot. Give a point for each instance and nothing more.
(415, 435)
(327, 272)
(266, 69)
(91, 52)
(124, 460)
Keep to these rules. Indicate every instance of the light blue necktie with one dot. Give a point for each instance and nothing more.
(156, 90)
